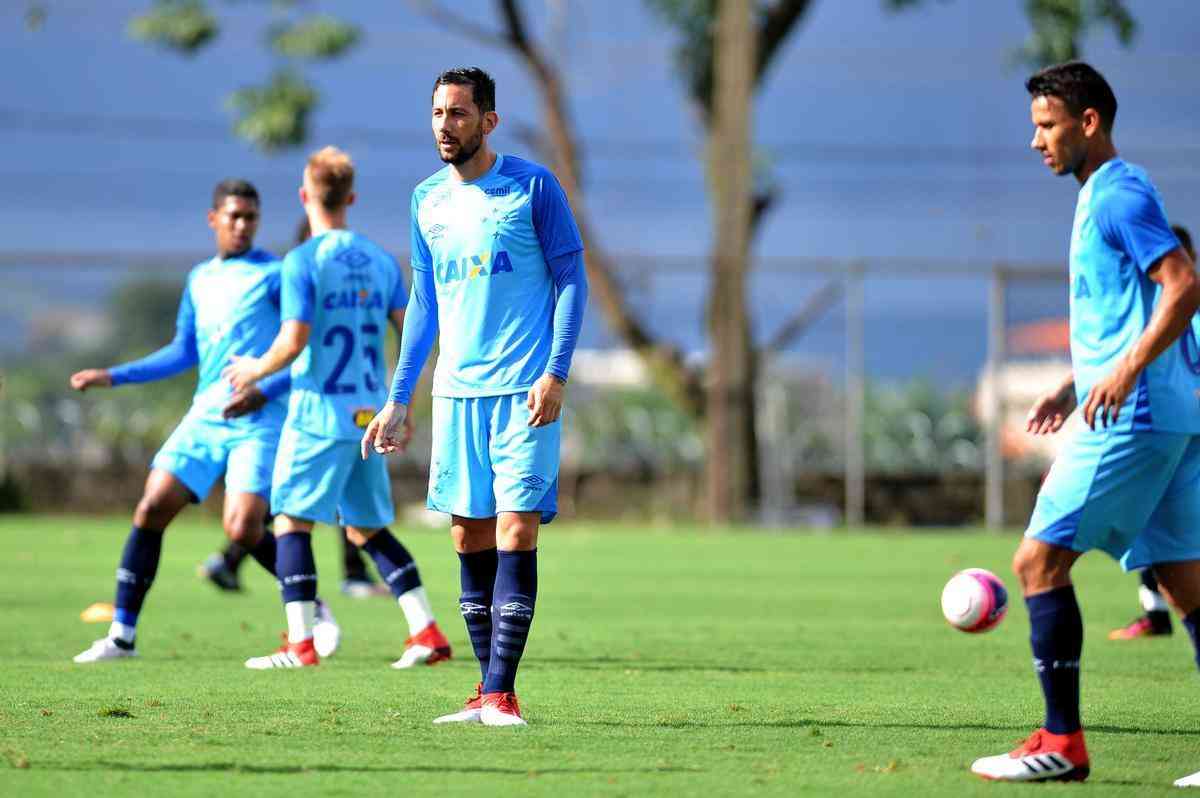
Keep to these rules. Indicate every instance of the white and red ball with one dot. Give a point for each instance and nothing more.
(974, 600)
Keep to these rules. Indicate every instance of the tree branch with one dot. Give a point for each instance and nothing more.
(776, 26)
(808, 314)
(461, 25)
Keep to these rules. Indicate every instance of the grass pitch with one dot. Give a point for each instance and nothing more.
(661, 662)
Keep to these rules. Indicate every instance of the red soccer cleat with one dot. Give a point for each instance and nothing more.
(469, 713)
(1042, 757)
(501, 709)
(1143, 626)
(289, 655)
(427, 647)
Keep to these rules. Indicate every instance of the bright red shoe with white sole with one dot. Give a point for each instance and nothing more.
(501, 709)
(289, 655)
(1043, 757)
(427, 647)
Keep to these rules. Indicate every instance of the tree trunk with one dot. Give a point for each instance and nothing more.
(730, 429)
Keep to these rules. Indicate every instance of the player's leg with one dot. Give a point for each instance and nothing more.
(309, 475)
(1155, 619)
(221, 568)
(1100, 493)
(524, 478)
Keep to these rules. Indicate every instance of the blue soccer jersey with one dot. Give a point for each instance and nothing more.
(1120, 232)
(229, 307)
(487, 243)
(345, 287)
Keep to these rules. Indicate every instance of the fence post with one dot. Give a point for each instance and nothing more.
(855, 475)
(994, 461)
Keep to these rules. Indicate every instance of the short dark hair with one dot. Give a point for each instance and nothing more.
(1185, 238)
(1079, 86)
(483, 88)
(234, 187)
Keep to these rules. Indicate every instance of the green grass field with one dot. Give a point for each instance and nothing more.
(662, 662)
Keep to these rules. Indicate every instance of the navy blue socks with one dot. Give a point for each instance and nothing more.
(1056, 635)
(395, 564)
(477, 574)
(513, 600)
(264, 552)
(295, 567)
(139, 564)
(1192, 624)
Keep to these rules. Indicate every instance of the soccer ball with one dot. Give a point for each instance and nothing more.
(974, 600)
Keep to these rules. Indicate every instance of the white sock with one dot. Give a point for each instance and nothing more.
(119, 631)
(417, 611)
(1151, 601)
(301, 615)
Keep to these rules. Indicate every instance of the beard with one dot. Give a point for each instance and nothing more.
(466, 150)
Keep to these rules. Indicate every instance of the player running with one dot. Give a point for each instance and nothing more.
(498, 269)
(230, 307)
(339, 293)
(1128, 484)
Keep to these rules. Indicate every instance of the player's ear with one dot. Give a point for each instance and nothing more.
(350, 199)
(490, 120)
(212, 218)
(1090, 120)
(303, 196)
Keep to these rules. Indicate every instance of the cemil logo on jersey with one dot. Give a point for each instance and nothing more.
(361, 298)
(473, 266)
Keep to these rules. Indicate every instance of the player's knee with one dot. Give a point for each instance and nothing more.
(243, 529)
(1037, 571)
(357, 537)
(517, 537)
(154, 511)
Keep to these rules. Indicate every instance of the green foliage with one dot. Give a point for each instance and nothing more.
(1059, 25)
(145, 309)
(185, 26)
(275, 116)
(916, 428)
(322, 38)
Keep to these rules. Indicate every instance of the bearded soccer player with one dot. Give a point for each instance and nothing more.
(1129, 483)
(498, 268)
(340, 291)
(230, 307)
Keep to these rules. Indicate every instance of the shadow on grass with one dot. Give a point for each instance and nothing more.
(236, 767)
(608, 663)
(813, 723)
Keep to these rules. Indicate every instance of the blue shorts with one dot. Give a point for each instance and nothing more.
(1133, 495)
(488, 460)
(324, 479)
(203, 447)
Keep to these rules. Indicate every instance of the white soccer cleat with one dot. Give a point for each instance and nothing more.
(1042, 757)
(501, 709)
(1189, 781)
(103, 649)
(470, 712)
(327, 635)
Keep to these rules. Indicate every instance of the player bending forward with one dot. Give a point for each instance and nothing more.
(339, 293)
(230, 307)
(498, 268)
(1128, 484)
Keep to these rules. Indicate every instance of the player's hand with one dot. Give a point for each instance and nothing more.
(242, 372)
(91, 378)
(1050, 411)
(390, 431)
(1104, 401)
(244, 402)
(545, 401)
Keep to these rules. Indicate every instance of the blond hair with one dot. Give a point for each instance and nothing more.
(331, 174)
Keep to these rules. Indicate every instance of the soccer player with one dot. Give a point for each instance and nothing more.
(1157, 618)
(230, 307)
(339, 293)
(1128, 484)
(498, 269)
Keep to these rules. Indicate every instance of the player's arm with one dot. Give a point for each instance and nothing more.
(297, 296)
(1132, 220)
(389, 431)
(563, 249)
(178, 356)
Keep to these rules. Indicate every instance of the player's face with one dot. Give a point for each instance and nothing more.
(1057, 135)
(235, 221)
(458, 124)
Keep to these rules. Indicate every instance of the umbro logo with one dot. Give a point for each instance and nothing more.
(353, 258)
(435, 232)
(515, 609)
(533, 481)
(470, 609)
